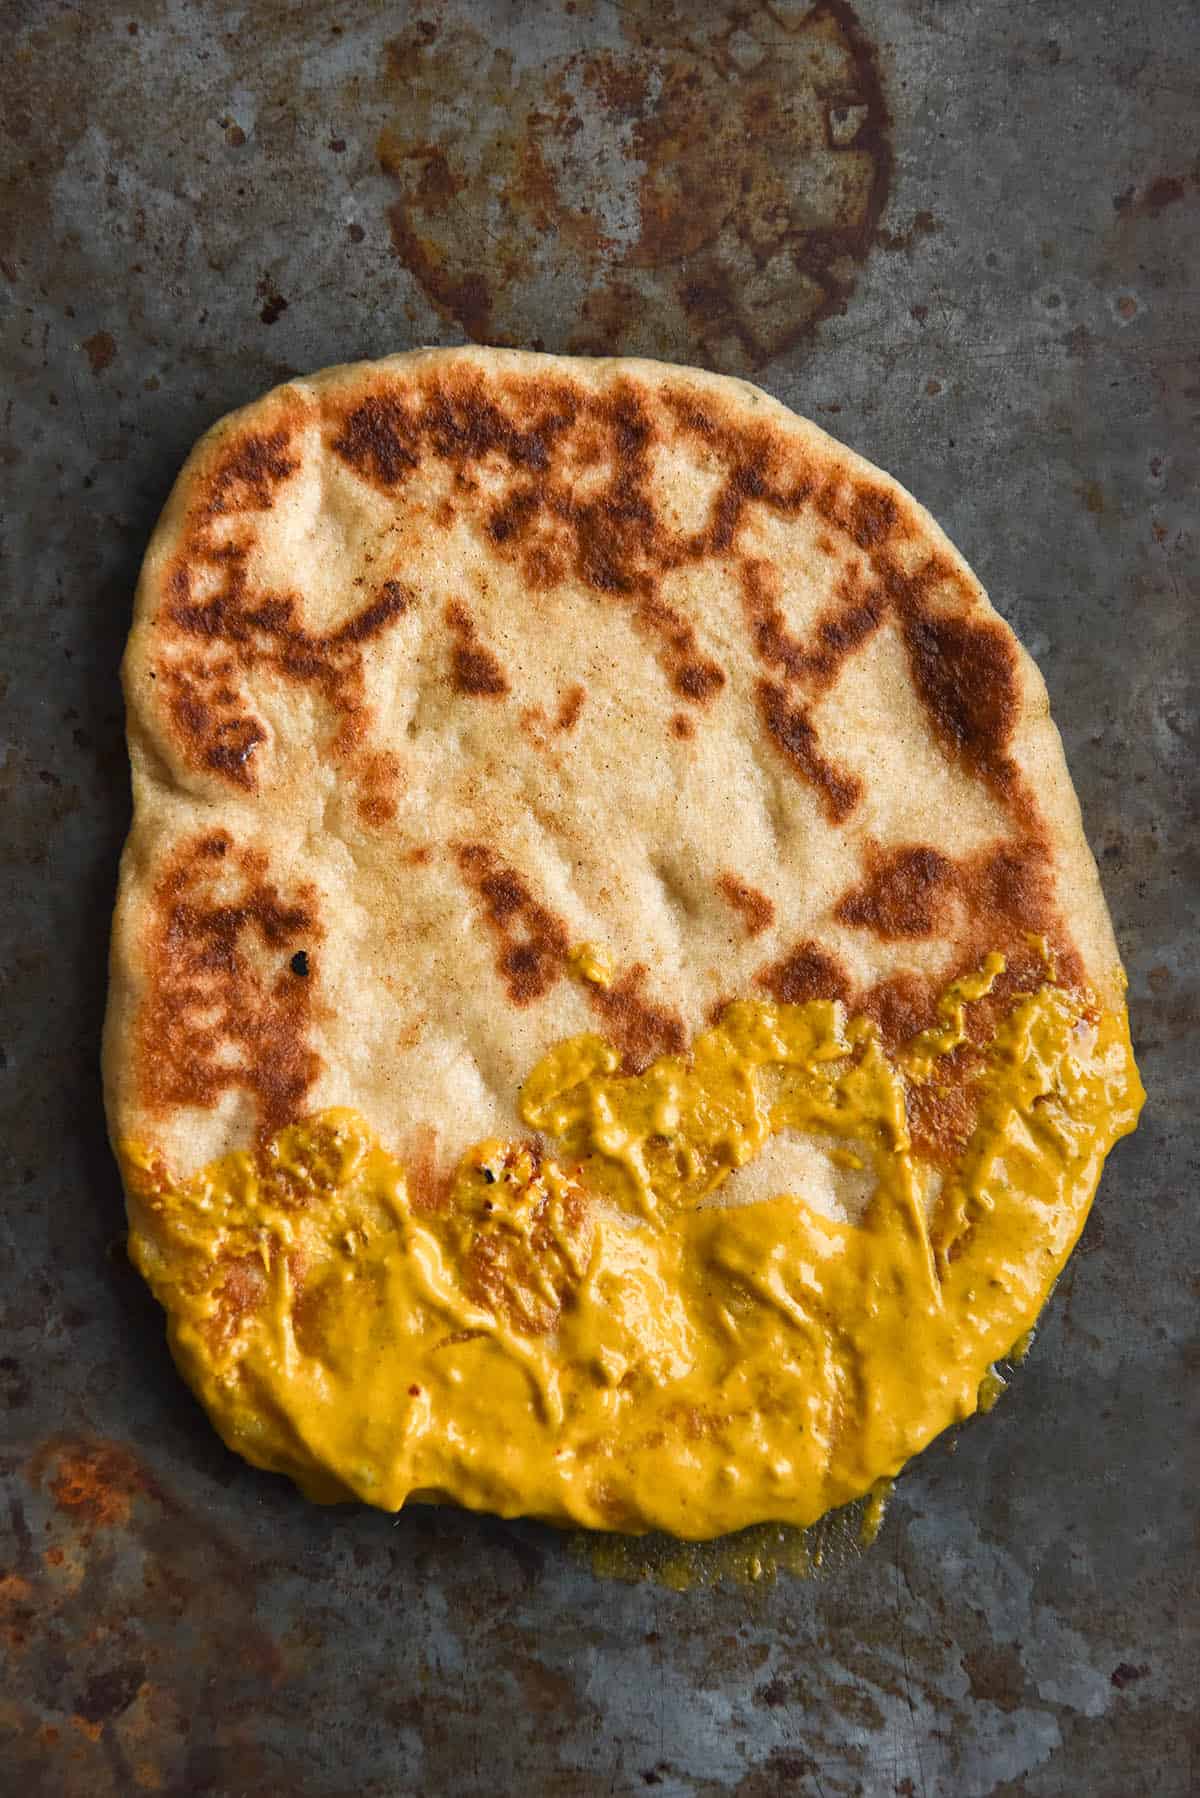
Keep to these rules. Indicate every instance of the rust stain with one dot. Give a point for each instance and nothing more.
(274, 305)
(923, 224)
(1164, 192)
(110, 1693)
(707, 186)
(997, 1676)
(18, 1610)
(1153, 200)
(94, 1707)
(100, 348)
(273, 309)
(94, 1482)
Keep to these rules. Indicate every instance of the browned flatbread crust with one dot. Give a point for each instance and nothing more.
(446, 664)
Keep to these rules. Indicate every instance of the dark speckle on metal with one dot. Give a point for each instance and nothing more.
(965, 238)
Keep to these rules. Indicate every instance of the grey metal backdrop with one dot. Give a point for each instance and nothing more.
(964, 236)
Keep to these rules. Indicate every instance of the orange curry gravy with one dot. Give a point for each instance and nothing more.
(592, 1329)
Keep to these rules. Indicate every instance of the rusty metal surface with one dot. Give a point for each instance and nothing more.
(965, 237)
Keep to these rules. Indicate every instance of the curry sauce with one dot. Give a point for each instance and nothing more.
(589, 1326)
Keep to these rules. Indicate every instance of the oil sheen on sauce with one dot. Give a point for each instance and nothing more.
(584, 1331)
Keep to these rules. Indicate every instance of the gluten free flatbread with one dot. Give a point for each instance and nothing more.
(474, 655)
(451, 670)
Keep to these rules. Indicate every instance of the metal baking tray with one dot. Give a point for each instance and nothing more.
(963, 237)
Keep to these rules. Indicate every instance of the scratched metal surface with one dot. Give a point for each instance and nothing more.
(962, 237)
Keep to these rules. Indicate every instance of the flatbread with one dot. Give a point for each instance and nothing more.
(447, 665)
